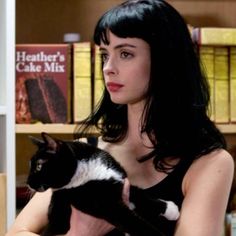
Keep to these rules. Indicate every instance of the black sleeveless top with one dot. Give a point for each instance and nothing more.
(170, 189)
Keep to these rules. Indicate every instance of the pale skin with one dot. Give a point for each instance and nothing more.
(206, 184)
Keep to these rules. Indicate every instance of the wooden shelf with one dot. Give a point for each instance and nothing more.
(49, 128)
(70, 128)
(227, 128)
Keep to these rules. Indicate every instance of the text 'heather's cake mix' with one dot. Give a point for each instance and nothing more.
(43, 83)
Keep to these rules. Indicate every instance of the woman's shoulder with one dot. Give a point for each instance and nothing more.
(210, 166)
(217, 158)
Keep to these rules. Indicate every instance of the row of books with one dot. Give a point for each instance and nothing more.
(217, 50)
(219, 64)
(60, 83)
(55, 83)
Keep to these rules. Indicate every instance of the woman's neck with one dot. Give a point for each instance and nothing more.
(134, 134)
(134, 119)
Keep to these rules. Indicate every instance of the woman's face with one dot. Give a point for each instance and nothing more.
(126, 68)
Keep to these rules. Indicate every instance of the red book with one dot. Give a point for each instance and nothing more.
(43, 83)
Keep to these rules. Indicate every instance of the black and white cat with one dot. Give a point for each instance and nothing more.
(92, 181)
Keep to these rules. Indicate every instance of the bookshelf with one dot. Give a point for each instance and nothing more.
(49, 21)
(75, 19)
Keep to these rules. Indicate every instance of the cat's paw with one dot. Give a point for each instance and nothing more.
(172, 211)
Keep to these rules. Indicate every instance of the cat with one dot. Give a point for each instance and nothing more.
(92, 181)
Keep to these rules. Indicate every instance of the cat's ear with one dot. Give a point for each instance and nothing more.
(50, 141)
(36, 141)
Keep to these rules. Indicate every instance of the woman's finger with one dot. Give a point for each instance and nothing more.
(126, 191)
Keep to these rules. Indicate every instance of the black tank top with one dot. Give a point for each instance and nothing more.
(170, 189)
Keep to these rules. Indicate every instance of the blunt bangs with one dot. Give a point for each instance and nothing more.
(124, 21)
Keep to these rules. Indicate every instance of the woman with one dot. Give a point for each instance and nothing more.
(153, 120)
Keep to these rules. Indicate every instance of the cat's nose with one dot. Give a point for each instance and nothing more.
(37, 187)
(42, 188)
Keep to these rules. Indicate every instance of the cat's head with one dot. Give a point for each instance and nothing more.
(52, 165)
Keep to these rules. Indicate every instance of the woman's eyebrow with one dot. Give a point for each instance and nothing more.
(119, 46)
(124, 45)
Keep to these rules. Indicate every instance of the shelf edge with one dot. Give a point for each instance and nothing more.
(49, 128)
(70, 128)
(227, 128)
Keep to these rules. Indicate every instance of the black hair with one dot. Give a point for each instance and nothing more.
(175, 117)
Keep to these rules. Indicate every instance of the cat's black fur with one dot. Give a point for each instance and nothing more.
(69, 168)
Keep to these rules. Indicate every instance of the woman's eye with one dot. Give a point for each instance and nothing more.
(126, 55)
(104, 57)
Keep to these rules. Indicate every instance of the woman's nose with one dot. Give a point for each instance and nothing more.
(110, 67)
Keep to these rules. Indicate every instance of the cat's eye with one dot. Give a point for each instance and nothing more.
(39, 165)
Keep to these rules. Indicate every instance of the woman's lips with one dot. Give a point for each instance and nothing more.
(114, 87)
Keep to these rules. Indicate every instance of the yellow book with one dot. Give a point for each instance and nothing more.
(82, 99)
(98, 77)
(233, 84)
(221, 69)
(214, 36)
(207, 60)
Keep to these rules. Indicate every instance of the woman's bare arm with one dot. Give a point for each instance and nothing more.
(206, 187)
(33, 217)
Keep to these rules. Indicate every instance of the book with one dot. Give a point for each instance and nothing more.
(206, 54)
(232, 79)
(98, 76)
(221, 72)
(214, 36)
(82, 95)
(43, 83)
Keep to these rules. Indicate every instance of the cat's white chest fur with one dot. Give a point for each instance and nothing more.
(93, 169)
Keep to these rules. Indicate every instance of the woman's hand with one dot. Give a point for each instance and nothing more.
(85, 225)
